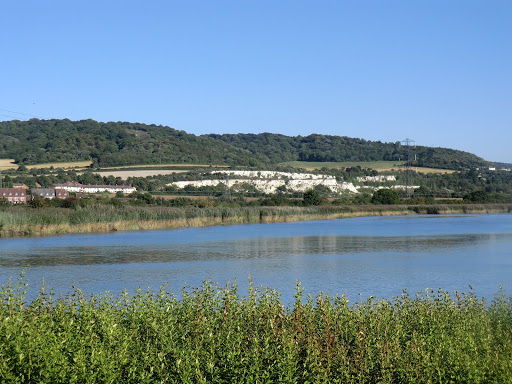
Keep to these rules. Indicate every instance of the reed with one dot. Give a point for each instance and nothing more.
(212, 334)
(26, 221)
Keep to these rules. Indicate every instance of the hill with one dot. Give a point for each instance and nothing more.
(122, 143)
(111, 144)
(324, 148)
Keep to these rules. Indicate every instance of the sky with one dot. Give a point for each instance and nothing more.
(434, 71)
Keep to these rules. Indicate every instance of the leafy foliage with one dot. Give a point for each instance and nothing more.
(122, 143)
(214, 335)
(325, 148)
(312, 197)
(385, 196)
(109, 144)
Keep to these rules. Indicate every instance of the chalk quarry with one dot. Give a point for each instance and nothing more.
(270, 181)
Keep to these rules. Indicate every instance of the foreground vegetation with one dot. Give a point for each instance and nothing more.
(214, 335)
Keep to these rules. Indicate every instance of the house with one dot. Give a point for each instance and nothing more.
(70, 186)
(77, 187)
(47, 193)
(20, 185)
(61, 193)
(126, 189)
(50, 193)
(14, 195)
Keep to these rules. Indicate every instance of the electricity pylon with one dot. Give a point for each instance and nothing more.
(408, 143)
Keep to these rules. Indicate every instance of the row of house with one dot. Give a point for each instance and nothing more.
(50, 193)
(18, 194)
(72, 186)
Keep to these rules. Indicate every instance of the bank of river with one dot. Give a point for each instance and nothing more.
(26, 221)
(376, 256)
(224, 333)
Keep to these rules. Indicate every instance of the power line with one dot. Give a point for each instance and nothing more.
(12, 117)
(19, 113)
(408, 142)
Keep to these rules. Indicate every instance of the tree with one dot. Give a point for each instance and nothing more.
(38, 201)
(385, 196)
(7, 182)
(478, 197)
(423, 191)
(362, 198)
(312, 197)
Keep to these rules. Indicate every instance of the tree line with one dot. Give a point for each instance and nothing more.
(123, 143)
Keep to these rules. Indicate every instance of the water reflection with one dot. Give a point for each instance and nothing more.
(259, 248)
(369, 256)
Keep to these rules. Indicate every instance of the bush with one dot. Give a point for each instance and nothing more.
(477, 196)
(385, 196)
(38, 202)
(312, 197)
(213, 335)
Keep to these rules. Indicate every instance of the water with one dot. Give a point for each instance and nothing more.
(359, 257)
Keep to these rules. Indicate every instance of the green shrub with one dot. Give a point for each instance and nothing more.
(385, 196)
(213, 335)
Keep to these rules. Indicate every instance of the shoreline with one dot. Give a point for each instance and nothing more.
(205, 217)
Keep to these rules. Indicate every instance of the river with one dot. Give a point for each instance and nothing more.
(358, 257)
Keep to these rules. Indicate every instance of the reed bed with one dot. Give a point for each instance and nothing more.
(212, 334)
(27, 221)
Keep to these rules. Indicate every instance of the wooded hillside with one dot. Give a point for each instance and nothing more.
(121, 143)
(325, 148)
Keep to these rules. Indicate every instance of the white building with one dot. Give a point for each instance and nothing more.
(77, 187)
(377, 179)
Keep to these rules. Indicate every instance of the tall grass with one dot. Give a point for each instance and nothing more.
(27, 221)
(22, 221)
(213, 334)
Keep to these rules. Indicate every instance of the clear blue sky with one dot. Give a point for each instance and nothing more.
(436, 71)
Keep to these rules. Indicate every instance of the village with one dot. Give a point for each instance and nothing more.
(18, 194)
(262, 182)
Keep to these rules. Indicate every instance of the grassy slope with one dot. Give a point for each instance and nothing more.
(379, 166)
(312, 165)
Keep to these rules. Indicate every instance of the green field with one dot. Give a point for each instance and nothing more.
(164, 166)
(377, 165)
(380, 166)
(10, 164)
(63, 165)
